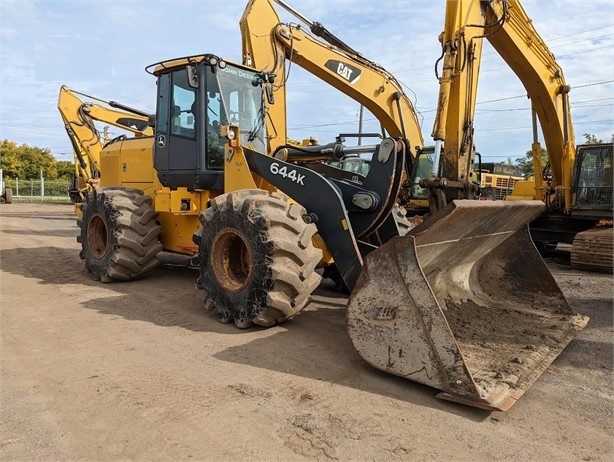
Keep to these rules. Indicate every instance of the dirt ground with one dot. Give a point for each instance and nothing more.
(141, 371)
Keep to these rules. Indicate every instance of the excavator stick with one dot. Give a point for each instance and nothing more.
(469, 306)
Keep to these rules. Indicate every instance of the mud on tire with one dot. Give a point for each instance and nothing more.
(119, 234)
(257, 260)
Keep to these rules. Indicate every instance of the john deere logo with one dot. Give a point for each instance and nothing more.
(344, 70)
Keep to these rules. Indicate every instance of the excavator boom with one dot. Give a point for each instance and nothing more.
(268, 43)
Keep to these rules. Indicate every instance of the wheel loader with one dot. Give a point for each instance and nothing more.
(460, 288)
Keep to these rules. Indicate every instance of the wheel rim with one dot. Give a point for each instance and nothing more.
(231, 260)
(97, 236)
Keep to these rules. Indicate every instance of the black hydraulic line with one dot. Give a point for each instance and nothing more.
(319, 30)
(123, 107)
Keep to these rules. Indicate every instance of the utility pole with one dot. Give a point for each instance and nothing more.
(360, 125)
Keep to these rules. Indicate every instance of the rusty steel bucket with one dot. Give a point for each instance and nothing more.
(463, 303)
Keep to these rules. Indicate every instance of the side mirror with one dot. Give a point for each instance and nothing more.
(192, 76)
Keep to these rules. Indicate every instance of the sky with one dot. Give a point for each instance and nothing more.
(102, 47)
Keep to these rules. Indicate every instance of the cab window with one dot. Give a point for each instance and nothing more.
(183, 99)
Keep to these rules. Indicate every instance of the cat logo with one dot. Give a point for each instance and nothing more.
(345, 70)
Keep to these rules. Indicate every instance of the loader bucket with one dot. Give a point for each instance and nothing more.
(463, 303)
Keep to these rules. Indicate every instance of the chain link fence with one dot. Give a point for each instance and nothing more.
(38, 190)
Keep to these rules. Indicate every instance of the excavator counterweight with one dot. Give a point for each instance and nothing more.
(469, 307)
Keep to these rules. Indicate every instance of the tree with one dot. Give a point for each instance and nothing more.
(592, 139)
(26, 162)
(526, 163)
(65, 168)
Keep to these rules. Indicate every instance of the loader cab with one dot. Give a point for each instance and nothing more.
(196, 96)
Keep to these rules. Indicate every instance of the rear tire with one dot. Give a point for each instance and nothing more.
(119, 234)
(257, 259)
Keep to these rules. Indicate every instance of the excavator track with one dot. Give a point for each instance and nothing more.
(592, 250)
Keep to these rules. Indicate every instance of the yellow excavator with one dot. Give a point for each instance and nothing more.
(79, 119)
(576, 185)
(469, 308)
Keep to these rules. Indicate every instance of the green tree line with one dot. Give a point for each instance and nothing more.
(26, 162)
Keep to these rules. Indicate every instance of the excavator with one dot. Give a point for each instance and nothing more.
(576, 184)
(470, 307)
(79, 119)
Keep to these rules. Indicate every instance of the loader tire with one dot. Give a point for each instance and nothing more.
(119, 234)
(257, 259)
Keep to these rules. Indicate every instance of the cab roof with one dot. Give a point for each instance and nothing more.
(176, 63)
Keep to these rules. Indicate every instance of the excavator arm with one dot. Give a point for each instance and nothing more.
(79, 117)
(505, 24)
(268, 44)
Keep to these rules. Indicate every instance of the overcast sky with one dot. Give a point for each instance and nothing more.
(102, 48)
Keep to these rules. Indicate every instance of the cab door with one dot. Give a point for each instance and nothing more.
(175, 144)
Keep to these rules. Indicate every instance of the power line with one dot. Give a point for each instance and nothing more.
(372, 119)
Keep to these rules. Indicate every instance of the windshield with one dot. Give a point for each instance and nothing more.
(424, 168)
(232, 97)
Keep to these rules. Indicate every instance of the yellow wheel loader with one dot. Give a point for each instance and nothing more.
(452, 304)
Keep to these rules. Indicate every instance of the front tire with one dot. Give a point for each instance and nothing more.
(119, 234)
(257, 259)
